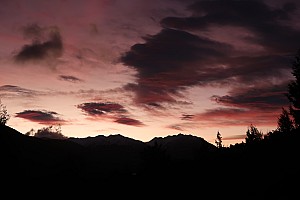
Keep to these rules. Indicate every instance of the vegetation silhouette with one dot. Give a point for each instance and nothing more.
(263, 167)
(218, 140)
(4, 116)
(294, 90)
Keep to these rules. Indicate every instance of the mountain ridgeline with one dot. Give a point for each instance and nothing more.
(268, 168)
(91, 157)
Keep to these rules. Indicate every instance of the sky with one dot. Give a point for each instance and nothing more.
(147, 68)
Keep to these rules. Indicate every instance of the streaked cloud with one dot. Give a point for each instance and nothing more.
(99, 108)
(264, 98)
(41, 116)
(187, 117)
(108, 110)
(129, 121)
(69, 78)
(13, 91)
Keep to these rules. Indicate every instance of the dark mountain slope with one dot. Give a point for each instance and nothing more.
(110, 156)
(183, 147)
(106, 140)
(35, 158)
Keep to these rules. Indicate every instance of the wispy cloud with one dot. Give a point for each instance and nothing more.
(226, 116)
(234, 137)
(69, 78)
(10, 91)
(108, 110)
(187, 117)
(129, 121)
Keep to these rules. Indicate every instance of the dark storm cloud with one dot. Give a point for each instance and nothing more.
(179, 56)
(112, 111)
(46, 44)
(169, 50)
(41, 116)
(169, 61)
(72, 79)
(269, 25)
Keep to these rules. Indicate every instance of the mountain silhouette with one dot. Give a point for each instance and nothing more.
(266, 169)
(183, 147)
(106, 140)
(86, 158)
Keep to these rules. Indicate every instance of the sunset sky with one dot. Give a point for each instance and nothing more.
(147, 68)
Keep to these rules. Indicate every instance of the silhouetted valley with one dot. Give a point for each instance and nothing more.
(268, 168)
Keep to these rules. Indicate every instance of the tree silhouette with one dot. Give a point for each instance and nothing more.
(253, 134)
(218, 140)
(4, 116)
(52, 131)
(284, 123)
(294, 90)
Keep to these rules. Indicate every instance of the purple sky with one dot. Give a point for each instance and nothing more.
(147, 69)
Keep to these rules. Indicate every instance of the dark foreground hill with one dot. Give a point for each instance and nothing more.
(182, 163)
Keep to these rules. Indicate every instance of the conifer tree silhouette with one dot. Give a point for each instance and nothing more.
(4, 116)
(294, 91)
(253, 135)
(284, 123)
(218, 140)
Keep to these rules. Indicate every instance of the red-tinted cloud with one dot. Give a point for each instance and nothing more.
(95, 108)
(108, 110)
(41, 116)
(234, 137)
(129, 121)
(234, 116)
(270, 97)
(244, 106)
